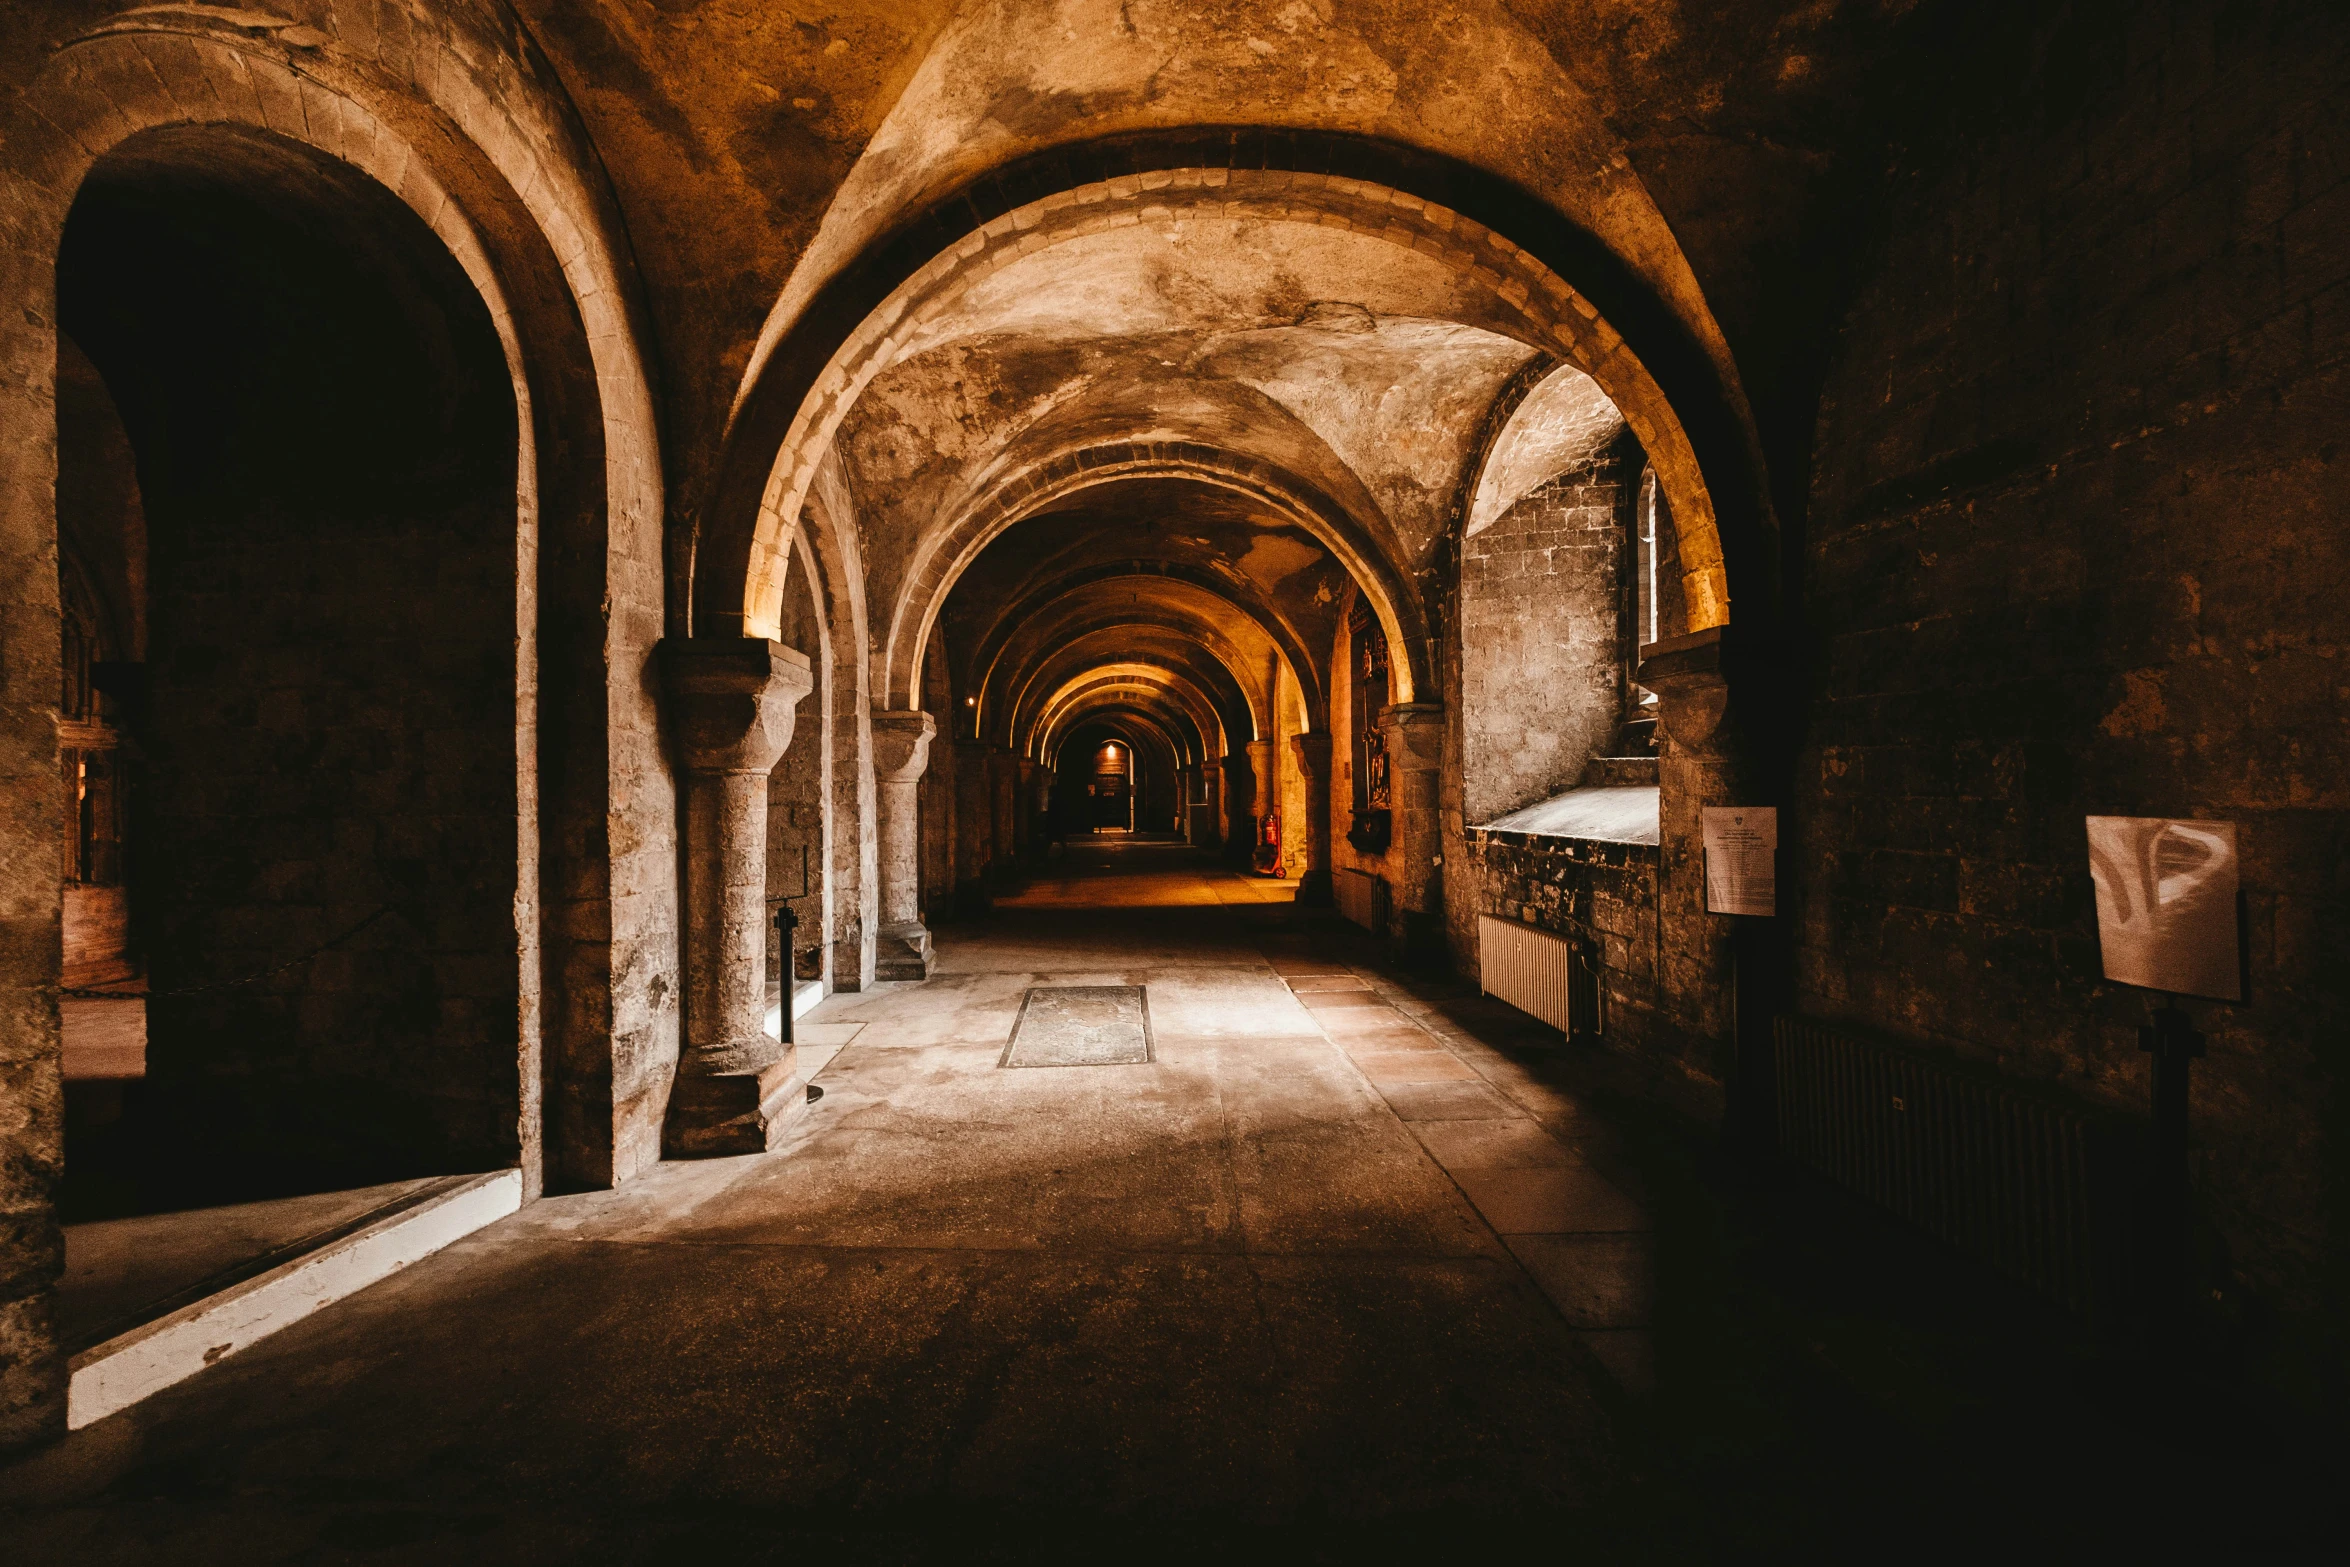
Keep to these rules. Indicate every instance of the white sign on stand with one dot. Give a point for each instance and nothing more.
(1741, 859)
(2166, 904)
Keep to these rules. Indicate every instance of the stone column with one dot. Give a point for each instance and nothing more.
(901, 750)
(1313, 761)
(1265, 802)
(1212, 798)
(1696, 767)
(1414, 733)
(733, 699)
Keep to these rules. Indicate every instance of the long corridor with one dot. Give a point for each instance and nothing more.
(1291, 1268)
(1349, 1268)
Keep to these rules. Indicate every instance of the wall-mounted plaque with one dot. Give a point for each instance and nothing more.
(2166, 904)
(1741, 859)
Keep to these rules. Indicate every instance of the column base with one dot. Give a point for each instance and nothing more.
(713, 1115)
(1313, 890)
(902, 952)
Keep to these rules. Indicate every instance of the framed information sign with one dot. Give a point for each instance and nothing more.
(1741, 859)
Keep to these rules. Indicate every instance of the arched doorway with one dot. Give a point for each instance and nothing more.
(316, 478)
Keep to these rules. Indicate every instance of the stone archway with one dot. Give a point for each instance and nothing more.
(447, 153)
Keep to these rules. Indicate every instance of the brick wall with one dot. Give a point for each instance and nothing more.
(1541, 623)
(1535, 672)
(2077, 546)
(1603, 893)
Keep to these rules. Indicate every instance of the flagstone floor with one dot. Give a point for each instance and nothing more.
(1351, 1269)
(1322, 1257)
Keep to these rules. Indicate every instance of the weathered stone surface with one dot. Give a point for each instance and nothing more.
(1931, 406)
(2076, 549)
(901, 753)
(734, 701)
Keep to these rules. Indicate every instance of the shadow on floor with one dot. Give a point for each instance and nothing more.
(1829, 1379)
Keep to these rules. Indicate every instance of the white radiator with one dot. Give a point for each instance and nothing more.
(1526, 967)
(1361, 899)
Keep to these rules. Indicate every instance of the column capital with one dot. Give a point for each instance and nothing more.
(1415, 735)
(734, 699)
(901, 744)
(1692, 697)
(1260, 767)
(1312, 752)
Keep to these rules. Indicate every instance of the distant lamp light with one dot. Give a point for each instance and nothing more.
(970, 701)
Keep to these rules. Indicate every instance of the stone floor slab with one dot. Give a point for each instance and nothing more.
(1596, 1281)
(1081, 1025)
(1448, 1101)
(1390, 1068)
(1499, 1144)
(1549, 1202)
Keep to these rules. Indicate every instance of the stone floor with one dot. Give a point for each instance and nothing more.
(1351, 1269)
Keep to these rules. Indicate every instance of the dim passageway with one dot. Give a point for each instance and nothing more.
(1293, 1266)
(1350, 1263)
(1036, 779)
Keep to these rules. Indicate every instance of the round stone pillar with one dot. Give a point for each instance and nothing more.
(1265, 803)
(1414, 734)
(733, 700)
(1313, 760)
(901, 752)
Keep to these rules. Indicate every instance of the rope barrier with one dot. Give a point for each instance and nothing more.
(229, 984)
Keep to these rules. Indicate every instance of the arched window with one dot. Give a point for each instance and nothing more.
(1655, 604)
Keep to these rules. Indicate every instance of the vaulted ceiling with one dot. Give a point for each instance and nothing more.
(1169, 441)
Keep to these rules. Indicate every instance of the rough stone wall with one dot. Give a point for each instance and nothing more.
(974, 823)
(937, 792)
(100, 517)
(799, 822)
(509, 184)
(1240, 793)
(937, 796)
(1536, 677)
(1603, 893)
(307, 766)
(1541, 621)
(2077, 547)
